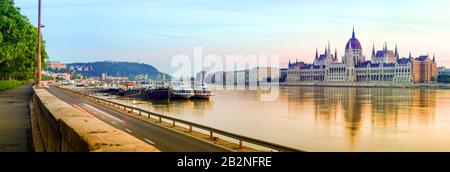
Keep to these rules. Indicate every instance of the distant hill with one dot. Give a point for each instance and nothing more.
(113, 68)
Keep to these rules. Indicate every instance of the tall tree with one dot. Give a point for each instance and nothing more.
(18, 44)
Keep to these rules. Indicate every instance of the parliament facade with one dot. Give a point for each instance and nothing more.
(384, 66)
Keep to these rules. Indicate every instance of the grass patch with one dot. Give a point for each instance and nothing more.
(10, 84)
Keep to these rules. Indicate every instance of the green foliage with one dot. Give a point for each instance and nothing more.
(79, 76)
(127, 69)
(443, 78)
(18, 44)
(47, 78)
(9, 84)
(59, 79)
(57, 70)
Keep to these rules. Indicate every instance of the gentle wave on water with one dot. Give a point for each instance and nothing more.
(326, 118)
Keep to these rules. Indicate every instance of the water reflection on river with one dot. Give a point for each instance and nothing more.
(327, 118)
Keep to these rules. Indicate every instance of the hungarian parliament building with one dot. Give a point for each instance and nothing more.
(384, 66)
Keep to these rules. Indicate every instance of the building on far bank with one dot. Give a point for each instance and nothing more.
(443, 75)
(106, 77)
(56, 65)
(293, 71)
(242, 77)
(424, 69)
(443, 71)
(384, 66)
(57, 76)
(64, 76)
(57, 71)
(283, 75)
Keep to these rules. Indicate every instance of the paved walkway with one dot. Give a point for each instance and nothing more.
(15, 128)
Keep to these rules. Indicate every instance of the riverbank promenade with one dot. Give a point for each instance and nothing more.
(15, 128)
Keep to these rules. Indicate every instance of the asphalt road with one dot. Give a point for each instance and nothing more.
(162, 138)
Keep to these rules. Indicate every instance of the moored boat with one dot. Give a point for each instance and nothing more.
(158, 91)
(156, 94)
(183, 92)
(202, 92)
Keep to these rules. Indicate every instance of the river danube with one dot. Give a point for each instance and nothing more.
(326, 118)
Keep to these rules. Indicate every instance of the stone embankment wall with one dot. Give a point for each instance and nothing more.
(64, 128)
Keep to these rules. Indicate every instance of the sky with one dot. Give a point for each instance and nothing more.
(154, 31)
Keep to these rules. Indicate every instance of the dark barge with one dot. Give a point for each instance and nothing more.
(146, 94)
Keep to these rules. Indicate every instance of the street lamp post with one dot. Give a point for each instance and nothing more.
(39, 65)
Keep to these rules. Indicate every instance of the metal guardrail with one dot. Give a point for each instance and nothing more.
(211, 130)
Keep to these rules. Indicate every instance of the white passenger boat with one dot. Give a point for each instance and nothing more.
(202, 91)
(182, 92)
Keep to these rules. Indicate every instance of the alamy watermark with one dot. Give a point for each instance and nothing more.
(232, 72)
